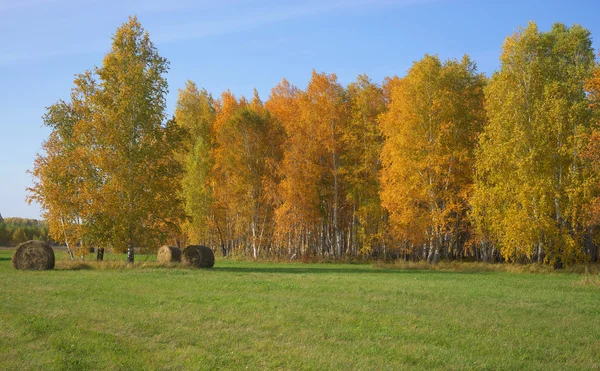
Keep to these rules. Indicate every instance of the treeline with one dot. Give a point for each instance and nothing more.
(443, 163)
(13, 231)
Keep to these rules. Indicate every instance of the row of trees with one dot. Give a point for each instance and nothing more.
(442, 163)
(13, 231)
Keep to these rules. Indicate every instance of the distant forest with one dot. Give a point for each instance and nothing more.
(13, 231)
(444, 163)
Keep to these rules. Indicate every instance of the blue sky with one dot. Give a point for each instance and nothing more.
(238, 45)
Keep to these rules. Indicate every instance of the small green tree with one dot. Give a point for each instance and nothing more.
(19, 236)
(195, 113)
(5, 236)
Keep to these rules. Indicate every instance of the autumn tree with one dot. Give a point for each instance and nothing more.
(64, 176)
(311, 216)
(433, 118)
(19, 236)
(225, 217)
(245, 151)
(530, 192)
(270, 150)
(291, 213)
(5, 236)
(140, 176)
(195, 112)
(126, 192)
(592, 156)
(361, 165)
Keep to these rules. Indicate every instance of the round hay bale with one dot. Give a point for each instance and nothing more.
(169, 254)
(34, 255)
(198, 256)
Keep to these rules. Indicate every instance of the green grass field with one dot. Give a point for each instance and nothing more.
(243, 315)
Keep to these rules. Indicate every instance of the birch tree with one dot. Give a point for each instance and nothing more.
(195, 112)
(529, 195)
(361, 165)
(433, 118)
(127, 192)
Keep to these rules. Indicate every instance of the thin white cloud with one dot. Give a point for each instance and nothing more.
(239, 22)
(161, 6)
(264, 17)
(9, 5)
(11, 59)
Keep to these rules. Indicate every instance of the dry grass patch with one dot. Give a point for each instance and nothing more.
(536, 268)
(74, 265)
(589, 280)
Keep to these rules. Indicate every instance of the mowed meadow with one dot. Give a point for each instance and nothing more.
(238, 315)
(439, 182)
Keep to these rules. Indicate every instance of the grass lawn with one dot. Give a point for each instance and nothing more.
(242, 315)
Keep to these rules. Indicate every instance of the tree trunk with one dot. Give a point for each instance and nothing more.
(436, 255)
(337, 248)
(130, 254)
(71, 255)
(223, 249)
(484, 252)
(428, 250)
(100, 254)
(254, 238)
(82, 250)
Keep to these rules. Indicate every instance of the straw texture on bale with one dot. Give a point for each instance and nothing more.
(33, 255)
(169, 254)
(198, 256)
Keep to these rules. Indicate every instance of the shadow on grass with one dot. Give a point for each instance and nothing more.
(321, 270)
(4, 259)
(77, 267)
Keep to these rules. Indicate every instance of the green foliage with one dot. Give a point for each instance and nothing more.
(19, 236)
(5, 235)
(195, 113)
(32, 228)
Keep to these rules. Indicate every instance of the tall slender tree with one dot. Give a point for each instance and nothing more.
(140, 176)
(361, 165)
(529, 196)
(311, 210)
(126, 195)
(226, 217)
(196, 113)
(430, 128)
(65, 179)
(591, 155)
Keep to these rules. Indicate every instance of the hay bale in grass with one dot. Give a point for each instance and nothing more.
(169, 254)
(34, 255)
(198, 256)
